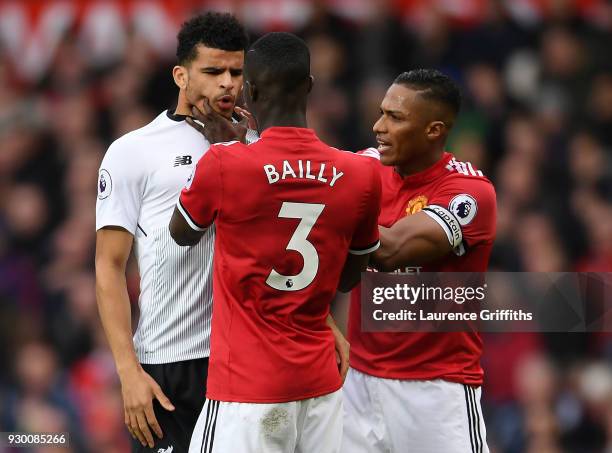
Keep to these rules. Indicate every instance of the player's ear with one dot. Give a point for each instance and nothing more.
(179, 74)
(310, 83)
(435, 130)
(252, 89)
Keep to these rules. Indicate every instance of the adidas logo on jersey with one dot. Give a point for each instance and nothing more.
(182, 160)
(465, 168)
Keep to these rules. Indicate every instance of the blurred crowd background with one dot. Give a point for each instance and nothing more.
(537, 118)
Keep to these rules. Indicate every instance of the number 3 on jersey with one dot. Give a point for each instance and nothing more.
(308, 213)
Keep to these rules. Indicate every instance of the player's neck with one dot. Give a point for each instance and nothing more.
(420, 163)
(183, 107)
(281, 119)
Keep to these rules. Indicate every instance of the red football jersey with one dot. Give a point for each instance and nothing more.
(462, 201)
(287, 210)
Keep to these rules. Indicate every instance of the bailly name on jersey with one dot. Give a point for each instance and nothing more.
(303, 170)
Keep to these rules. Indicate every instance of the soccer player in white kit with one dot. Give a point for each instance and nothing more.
(163, 369)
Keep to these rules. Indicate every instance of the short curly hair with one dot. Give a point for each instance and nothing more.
(212, 29)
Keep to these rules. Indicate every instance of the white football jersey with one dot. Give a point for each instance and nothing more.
(139, 182)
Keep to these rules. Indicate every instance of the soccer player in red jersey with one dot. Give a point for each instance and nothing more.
(295, 220)
(420, 392)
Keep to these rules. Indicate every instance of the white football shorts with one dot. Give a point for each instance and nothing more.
(407, 416)
(306, 426)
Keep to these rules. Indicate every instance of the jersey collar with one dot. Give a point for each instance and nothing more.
(174, 117)
(287, 133)
(429, 174)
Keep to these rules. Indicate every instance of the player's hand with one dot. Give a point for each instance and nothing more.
(215, 127)
(342, 347)
(244, 113)
(139, 389)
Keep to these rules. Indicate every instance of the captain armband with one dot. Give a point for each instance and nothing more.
(450, 224)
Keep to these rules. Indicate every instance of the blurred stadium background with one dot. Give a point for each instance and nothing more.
(537, 118)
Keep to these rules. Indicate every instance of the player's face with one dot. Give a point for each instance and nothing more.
(217, 75)
(401, 129)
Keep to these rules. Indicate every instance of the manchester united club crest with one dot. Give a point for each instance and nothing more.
(416, 204)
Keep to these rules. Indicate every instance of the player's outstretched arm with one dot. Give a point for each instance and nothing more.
(413, 241)
(113, 247)
(182, 233)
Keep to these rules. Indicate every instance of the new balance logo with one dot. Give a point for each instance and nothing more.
(166, 450)
(182, 160)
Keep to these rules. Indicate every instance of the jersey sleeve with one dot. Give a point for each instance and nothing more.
(466, 209)
(120, 188)
(200, 199)
(366, 237)
(369, 152)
